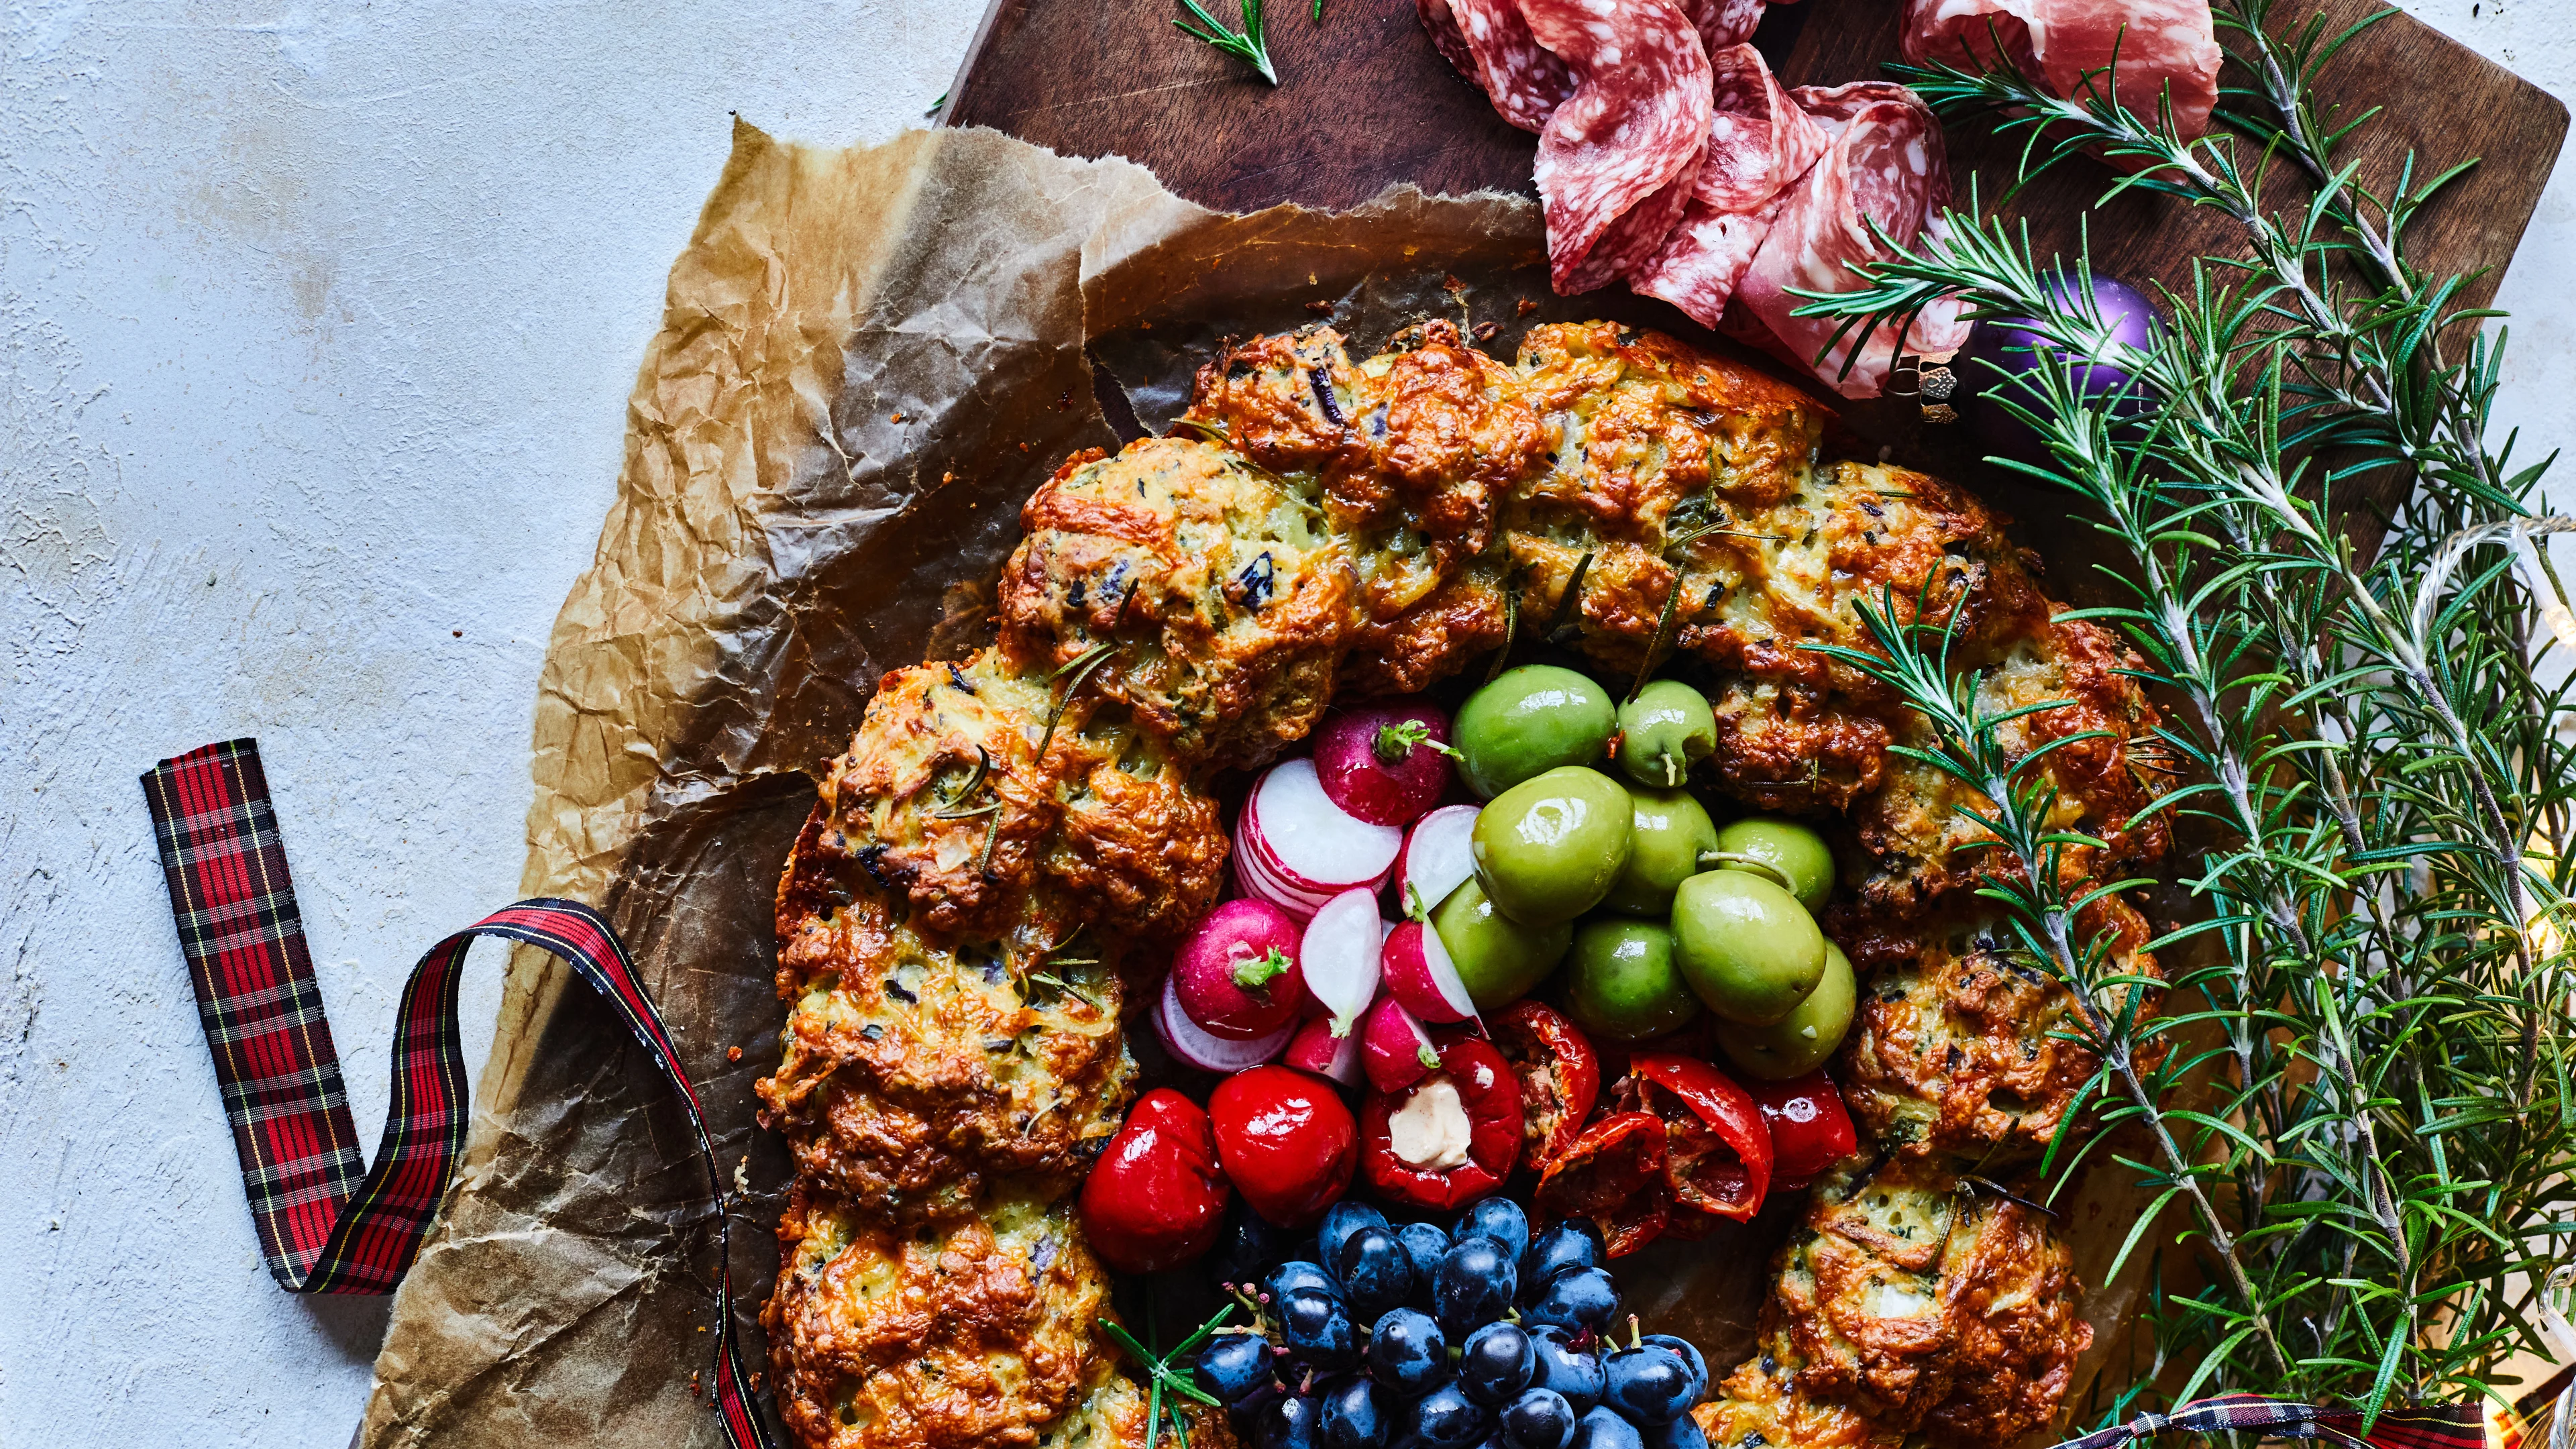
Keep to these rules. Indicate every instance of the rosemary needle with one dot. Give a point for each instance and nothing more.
(1250, 47)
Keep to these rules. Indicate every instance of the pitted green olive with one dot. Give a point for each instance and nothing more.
(1548, 849)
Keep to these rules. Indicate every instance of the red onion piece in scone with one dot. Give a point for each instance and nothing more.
(1616, 160)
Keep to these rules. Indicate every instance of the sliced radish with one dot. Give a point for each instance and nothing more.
(1339, 956)
(1394, 1049)
(1211, 1053)
(1438, 856)
(1385, 764)
(1417, 970)
(1294, 842)
(1315, 1049)
(1237, 974)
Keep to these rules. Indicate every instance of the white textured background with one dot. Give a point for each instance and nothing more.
(316, 328)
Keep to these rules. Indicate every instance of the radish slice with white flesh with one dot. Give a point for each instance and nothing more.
(1339, 956)
(1257, 872)
(1394, 1049)
(1416, 967)
(1308, 845)
(1439, 855)
(1210, 1053)
(1315, 1049)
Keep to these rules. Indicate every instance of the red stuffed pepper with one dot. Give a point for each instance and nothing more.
(1155, 1199)
(1560, 1076)
(1718, 1153)
(1810, 1128)
(1613, 1175)
(1450, 1138)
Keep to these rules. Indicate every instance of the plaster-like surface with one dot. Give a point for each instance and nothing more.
(316, 324)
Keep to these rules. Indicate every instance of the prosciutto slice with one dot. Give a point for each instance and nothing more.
(1617, 160)
(1759, 141)
(1523, 79)
(1885, 166)
(2069, 46)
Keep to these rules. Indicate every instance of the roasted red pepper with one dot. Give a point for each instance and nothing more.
(1718, 1157)
(1155, 1199)
(1559, 1072)
(1613, 1175)
(1286, 1140)
(1810, 1128)
(1489, 1096)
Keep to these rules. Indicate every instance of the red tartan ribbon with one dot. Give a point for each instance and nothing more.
(2441, 1426)
(327, 1223)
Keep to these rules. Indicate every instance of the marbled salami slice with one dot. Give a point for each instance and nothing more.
(1617, 159)
(1704, 259)
(1449, 40)
(1723, 23)
(2160, 44)
(1759, 138)
(1759, 141)
(1523, 79)
(1885, 167)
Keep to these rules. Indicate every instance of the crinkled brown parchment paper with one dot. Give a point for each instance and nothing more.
(868, 358)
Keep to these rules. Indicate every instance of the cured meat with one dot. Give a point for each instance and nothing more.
(1759, 141)
(1616, 161)
(1448, 39)
(2067, 45)
(1723, 23)
(1705, 258)
(1525, 82)
(1885, 168)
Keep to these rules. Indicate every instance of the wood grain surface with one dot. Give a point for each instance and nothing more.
(1364, 101)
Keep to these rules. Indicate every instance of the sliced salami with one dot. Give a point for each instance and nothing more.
(1723, 23)
(2064, 45)
(1702, 262)
(1617, 160)
(1759, 141)
(1759, 138)
(1449, 40)
(1523, 79)
(1886, 168)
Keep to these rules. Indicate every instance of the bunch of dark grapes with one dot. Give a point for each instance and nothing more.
(1482, 1336)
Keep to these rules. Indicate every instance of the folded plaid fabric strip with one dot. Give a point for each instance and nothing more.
(327, 1223)
(2444, 1426)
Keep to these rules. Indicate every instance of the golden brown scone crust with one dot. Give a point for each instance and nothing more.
(1961, 1052)
(978, 1332)
(1761, 1406)
(1926, 1305)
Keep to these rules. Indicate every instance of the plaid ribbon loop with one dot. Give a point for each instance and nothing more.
(2442, 1426)
(327, 1222)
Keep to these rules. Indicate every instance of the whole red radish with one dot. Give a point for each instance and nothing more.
(1387, 764)
(1155, 1199)
(1394, 1049)
(1237, 975)
(1315, 1049)
(1286, 1141)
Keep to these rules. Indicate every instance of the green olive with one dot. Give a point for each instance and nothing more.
(1664, 731)
(1670, 829)
(1548, 848)
(1784, 849)
(1799, 1042)
(1746, 947)
(1621, 983)
(1530, 720)
(1498, 958)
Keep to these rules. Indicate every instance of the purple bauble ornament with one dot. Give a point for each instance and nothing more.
(2010, 344)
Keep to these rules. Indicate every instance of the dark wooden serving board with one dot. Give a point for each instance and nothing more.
(1364, 101)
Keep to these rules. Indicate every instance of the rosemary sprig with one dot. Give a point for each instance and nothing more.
(1249, 46)
(2375, 1005)
(1169, 1372)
